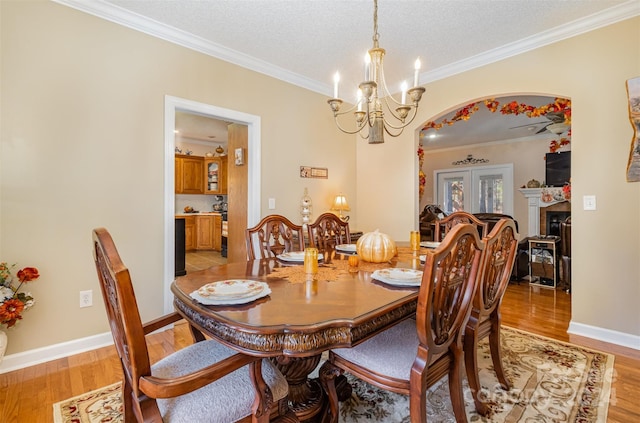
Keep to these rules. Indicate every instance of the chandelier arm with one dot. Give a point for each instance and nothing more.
(346, 131)
(393, 113)
(386, 129)
(387, 93)
(340, 113)
(406, 122)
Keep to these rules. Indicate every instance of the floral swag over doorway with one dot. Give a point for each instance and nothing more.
(562, 105)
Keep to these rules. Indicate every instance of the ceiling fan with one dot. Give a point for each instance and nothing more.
(556, 124)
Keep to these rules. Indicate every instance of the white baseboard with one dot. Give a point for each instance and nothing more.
(605, 335)
(52, 352)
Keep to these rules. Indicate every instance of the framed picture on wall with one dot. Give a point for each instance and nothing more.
(239, 156)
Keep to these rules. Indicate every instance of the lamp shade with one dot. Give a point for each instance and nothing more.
(340, 203)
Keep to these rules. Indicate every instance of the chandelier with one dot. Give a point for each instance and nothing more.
(375, 108)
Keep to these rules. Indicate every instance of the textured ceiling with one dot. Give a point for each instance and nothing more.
(304, 42)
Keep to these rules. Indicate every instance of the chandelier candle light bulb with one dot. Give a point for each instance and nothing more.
(336, 82)
(416, 74)
(403, 88)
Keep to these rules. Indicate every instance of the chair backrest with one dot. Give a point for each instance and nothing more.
(444, 225)
(448, 285)
(496, 266)
(328, 228)
(122, 309)
(275, 234)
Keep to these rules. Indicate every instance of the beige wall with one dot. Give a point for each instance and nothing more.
(591, 70)
(83, 146)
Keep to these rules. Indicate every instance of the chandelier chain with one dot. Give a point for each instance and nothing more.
(376, 36)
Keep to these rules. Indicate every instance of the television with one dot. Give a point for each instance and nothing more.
(557, 168)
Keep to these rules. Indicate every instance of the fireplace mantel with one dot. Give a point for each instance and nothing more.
(535, 203)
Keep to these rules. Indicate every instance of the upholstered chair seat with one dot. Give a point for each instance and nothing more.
(227, 400)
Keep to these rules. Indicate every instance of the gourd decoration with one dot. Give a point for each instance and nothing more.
(376, 247)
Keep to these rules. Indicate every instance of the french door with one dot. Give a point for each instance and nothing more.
(482, 189)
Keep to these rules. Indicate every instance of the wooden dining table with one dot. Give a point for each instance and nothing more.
(301, 317)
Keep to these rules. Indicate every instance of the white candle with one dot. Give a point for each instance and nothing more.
(417, 71)
(359, 100)
(403, 88)
(336, 81)
(367, 65)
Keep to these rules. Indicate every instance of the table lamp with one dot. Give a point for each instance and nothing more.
(340, 204)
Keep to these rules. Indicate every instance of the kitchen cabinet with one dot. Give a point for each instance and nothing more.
(215, 175)
(217, 232)
(209, 232)
(189, 174)
(190, 233)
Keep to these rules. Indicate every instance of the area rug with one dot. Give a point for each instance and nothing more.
(553, 382)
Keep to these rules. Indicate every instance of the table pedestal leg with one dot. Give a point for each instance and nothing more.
(306, 396)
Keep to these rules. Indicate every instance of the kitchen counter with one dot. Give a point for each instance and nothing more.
(183, 214)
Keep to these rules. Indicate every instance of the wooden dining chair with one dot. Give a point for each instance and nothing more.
(204, 382)
(411, 356)
(445, 224)
(328, 228)
(273, 235)
(496, 266)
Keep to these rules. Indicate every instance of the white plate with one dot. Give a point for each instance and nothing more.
(430, 244)
(346, 248)
(235, 291)
(297, 256)
(398, 276)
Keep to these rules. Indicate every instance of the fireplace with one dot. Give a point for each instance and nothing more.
(552, 216)
(554, 219)
(545, 216)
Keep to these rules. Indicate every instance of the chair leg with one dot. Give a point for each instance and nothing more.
(496, 352)
(328, 375)
(196, 334)
(129, 412)
(471, 364)
(455, 385)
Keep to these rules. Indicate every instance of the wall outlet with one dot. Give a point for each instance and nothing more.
(86, 298)
(272, 203)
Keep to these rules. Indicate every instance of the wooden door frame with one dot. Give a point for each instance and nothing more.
(171, 105)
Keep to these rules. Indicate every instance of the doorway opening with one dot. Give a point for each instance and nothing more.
(252, 122)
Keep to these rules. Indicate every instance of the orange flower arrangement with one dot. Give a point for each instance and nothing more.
(12, 302)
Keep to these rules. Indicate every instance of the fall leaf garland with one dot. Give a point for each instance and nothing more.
(562, 105)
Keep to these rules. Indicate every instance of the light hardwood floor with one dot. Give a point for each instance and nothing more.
(27, 395)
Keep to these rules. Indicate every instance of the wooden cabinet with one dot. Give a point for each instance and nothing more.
(543, 261)
(208, 232)
(190, 233)
(189, 174)
(215, 175)
(217, 232)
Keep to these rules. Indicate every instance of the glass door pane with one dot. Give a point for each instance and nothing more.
(492, 190)
(451, 191)
(482, 189)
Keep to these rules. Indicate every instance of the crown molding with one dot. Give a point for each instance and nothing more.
(609, 16)
(156, 29)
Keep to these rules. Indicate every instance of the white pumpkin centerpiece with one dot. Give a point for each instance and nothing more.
(376, 247)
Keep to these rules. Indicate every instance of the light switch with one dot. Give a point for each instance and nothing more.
(272, 203)
(589, 202)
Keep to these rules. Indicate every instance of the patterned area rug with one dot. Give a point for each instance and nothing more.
(553, 382)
